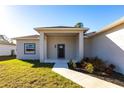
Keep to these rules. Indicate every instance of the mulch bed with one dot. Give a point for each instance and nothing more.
(116, 78)
(4, 58)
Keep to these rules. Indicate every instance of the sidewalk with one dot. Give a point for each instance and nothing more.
(82, 79)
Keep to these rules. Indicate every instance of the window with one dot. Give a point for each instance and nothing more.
(29, 48)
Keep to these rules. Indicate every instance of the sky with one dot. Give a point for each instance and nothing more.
(20, 20)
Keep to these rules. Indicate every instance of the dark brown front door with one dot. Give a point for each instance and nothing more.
(61, 50)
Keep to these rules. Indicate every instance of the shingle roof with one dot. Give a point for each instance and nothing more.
(85, 29)
(4, 40)
(28, 37)
(6, 43)
(60, 27)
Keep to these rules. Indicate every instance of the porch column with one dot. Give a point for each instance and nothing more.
(45, 43)
(42, 47)
(81, 45)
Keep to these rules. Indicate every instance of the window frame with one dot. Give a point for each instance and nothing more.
(29, 53)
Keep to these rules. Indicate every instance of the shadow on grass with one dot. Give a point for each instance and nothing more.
(5, 58)
(37, 64)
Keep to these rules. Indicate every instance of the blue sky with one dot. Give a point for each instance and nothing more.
(20, 20)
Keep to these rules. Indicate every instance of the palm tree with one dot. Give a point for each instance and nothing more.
(79, 25)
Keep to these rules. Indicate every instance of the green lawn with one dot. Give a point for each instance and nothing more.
(31, 74)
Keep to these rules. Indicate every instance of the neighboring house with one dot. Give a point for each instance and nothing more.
(62, 42)
(7, 48)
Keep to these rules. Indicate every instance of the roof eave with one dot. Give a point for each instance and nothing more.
(106, 28)
(39, 29)
(26, 37)
(8, 44)
(23, 38)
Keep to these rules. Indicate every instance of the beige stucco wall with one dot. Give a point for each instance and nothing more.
(5, 50)
(70, 46)
(20, 49)
(109, 46)
(87, 47)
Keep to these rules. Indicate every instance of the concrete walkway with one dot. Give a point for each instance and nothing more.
(61, 64)
(82, 79)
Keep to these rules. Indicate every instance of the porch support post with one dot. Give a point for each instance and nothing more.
(42, 47)
(81, 45)
(45, 43)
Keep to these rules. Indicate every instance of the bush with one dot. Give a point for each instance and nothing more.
(81, 61)
(72, 64)
(83, 65)
(86, 59)
(89, 68)
(110, 69)
(98, 64)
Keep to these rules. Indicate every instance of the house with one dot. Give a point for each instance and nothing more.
(62, 42)
(52, 43)
(7, 48)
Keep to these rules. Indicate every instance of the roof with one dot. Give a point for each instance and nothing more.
(86, 35)
(110, 26)
(52, 28)
(5, 41)
(61, 28)
(28, 37)
(106, 28)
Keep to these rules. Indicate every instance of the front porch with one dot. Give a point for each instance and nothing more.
(61, 43)
(62, 47)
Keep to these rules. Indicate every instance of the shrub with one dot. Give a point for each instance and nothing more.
(86, 59)
(72, 64)
(110, 69)
(81, 61)
(83, 65)
(89, 68)
(98, 64)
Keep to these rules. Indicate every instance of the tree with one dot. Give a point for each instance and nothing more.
(79, 25)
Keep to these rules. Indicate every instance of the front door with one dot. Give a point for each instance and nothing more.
(61, 50)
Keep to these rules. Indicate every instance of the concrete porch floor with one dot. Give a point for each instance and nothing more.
(56, 60)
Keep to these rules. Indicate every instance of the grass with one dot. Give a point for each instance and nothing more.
(16, 73)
